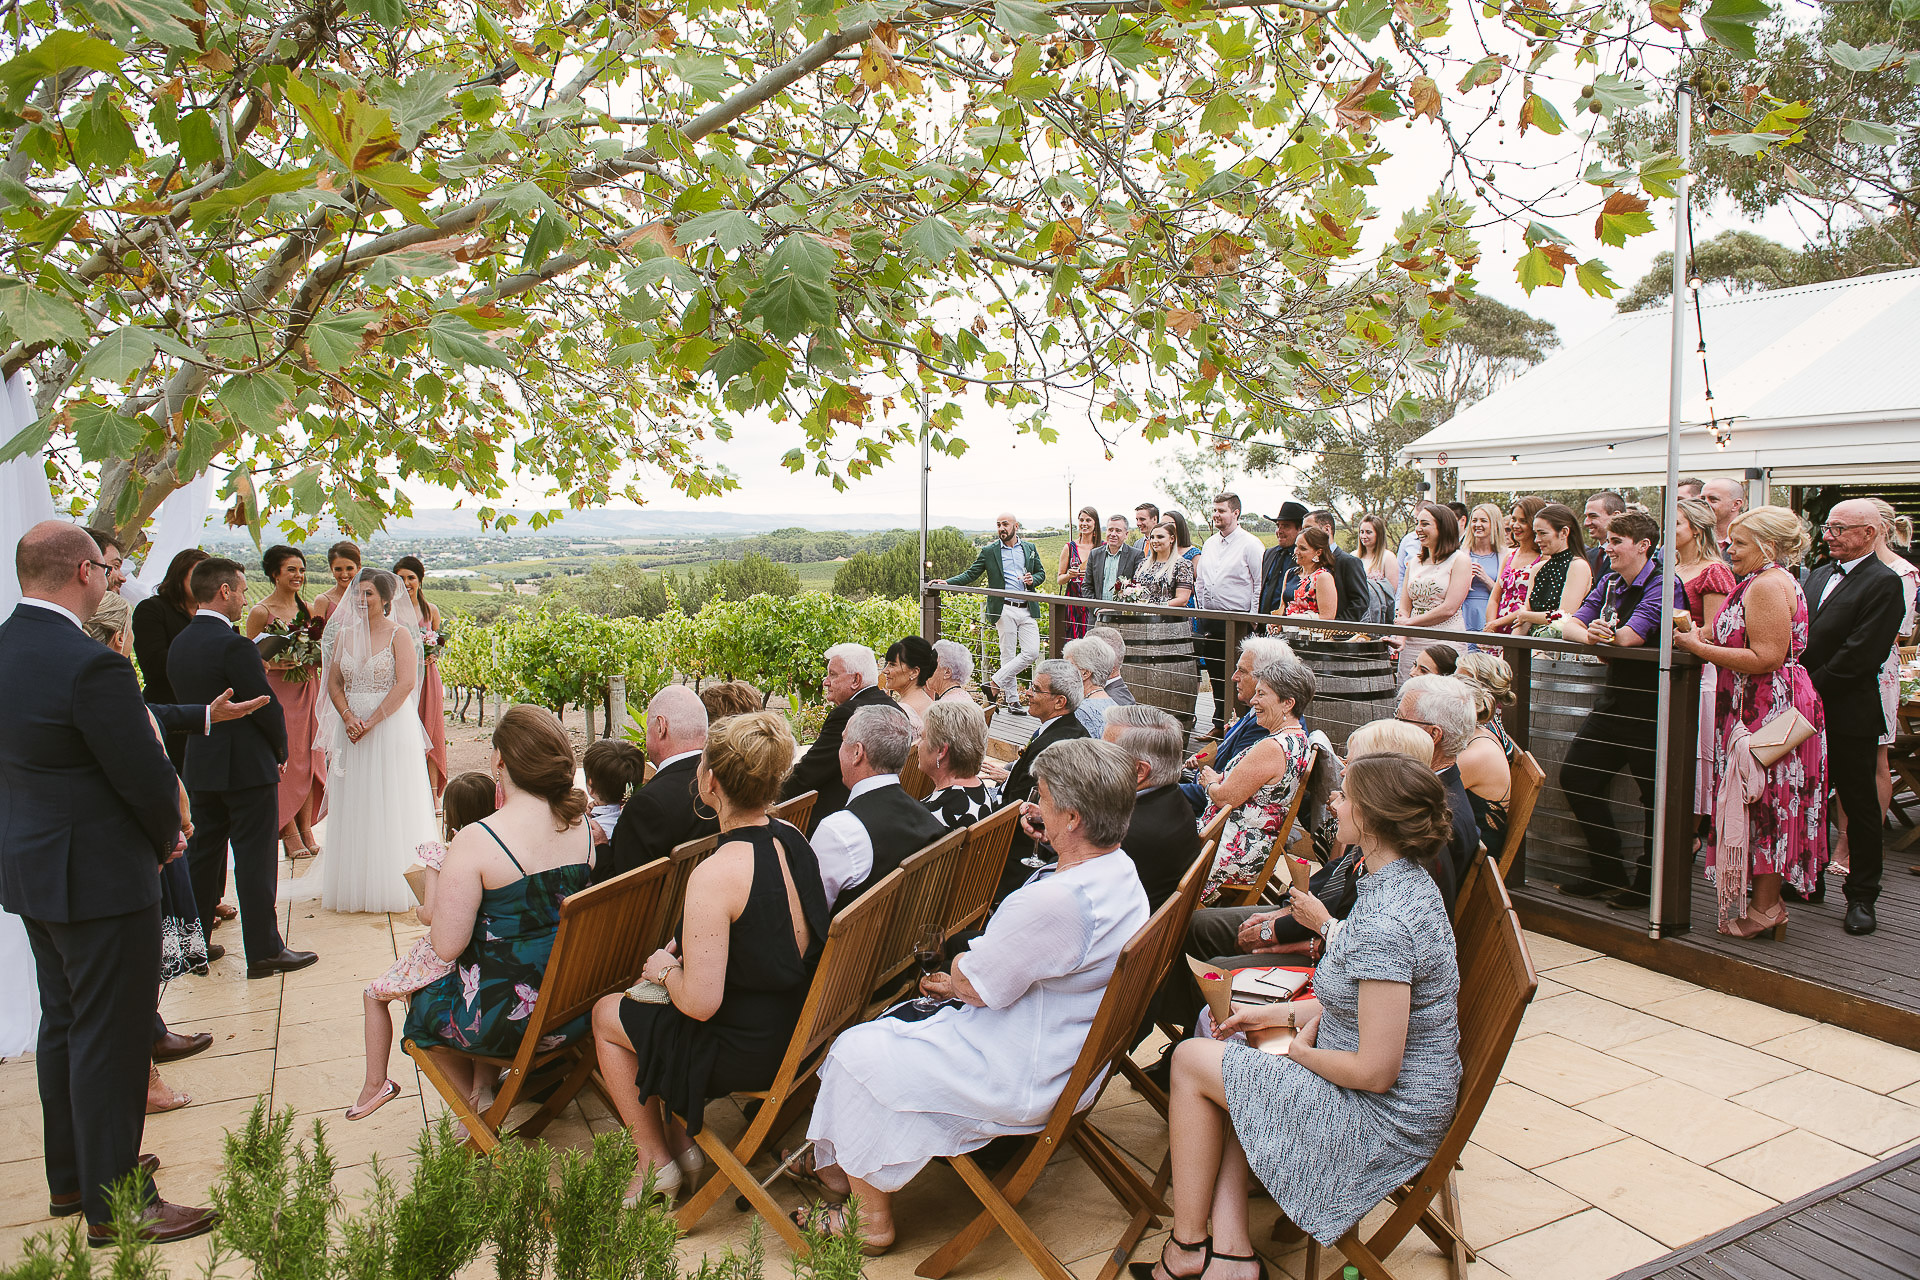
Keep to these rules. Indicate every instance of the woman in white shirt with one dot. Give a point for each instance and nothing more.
(993, 1058)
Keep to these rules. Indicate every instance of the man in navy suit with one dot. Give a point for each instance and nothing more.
(1255, 652)
(233, 774)
(90, 808)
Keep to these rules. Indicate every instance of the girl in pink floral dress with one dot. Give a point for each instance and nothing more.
(1786, 822)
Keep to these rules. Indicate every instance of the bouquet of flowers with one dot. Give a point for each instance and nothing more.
(299, 652)
(432, 642)
(1127, 591)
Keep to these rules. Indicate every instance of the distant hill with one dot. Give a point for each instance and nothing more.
(627, 523)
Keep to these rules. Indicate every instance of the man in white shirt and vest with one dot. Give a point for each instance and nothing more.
(881, 825)
(1226, 578)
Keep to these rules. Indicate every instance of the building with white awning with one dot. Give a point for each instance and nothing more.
(1814, 385)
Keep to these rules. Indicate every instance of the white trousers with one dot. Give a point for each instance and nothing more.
(1019, 646)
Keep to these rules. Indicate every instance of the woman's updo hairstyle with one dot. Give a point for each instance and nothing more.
(1490, 680)
(1781, 533)
(539, 758)
(344, 550)
(749, 757)
(1400, 799)
(277, 556)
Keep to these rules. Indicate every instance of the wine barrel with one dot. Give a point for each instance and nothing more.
(1564, 691)
(1353, 684)
(1160, 668)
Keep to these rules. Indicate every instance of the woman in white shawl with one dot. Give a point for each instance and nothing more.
(380, 804)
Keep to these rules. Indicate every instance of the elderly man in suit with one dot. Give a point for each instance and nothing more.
(1112, 561)
(233, 774)
(1161, 838)
(662, 814)
(91, 810)
(1009, 564)
(851, 682)
(1855, 606)
(1052, 698)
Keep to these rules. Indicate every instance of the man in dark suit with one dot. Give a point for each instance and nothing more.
(664, 812)
(1278, 575)
(91, 809)
(1255, 652)
(1052, 698)
(1161, 837)
(1349, 574)
(1854, 606)
(1111, 561)
(851, 682)
(233, 774)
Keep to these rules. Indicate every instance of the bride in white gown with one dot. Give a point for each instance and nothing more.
(379, 802)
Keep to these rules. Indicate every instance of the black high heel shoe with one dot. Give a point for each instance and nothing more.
(1204, 1247)
(1254, 1258)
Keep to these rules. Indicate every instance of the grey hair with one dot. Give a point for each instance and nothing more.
(885, 734)
(1090, 656)
(1064, 677)
(1288, 678)
(1150, 734)
(954, 660)
(1446, 703)
(1094, 779)
(858, 660)
(1111, 637)
(961, 728)
(1266, 650)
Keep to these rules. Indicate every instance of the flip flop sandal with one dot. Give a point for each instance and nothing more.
(388, 1092)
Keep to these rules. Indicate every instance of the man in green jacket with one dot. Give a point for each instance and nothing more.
(1010, 564)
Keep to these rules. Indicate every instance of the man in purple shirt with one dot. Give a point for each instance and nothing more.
(1623, 610)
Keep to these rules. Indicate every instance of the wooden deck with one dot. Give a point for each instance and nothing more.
(1870, 985)
(1864, 1227)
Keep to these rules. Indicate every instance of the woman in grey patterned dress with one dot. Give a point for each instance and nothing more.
(1363, 1095)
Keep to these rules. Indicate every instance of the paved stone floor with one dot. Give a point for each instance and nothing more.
(1637, 1113)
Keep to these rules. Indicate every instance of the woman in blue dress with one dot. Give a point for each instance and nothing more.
(1484, 548)
(1360, 1099)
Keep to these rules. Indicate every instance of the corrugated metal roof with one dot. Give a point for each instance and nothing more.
(1847, 348)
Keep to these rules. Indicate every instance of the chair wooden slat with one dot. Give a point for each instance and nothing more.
(925, 888)
(682, 861)
(797, 812)
(914, 782)
(604, 936)
(982, 860)
(1528, 778)
(836, 997)
(1247, 895)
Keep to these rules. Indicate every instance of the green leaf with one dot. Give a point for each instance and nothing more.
(422, 102)
(1869, 134)
(1591, 276)
(707, 77)
(548, 234)
(1617, 93)
(1731, 23)
(102, 434)
(1485, 71)
(233, 199)
(933, 240)
(1538, 233)
(199, 443)
(1024, 18)
(163, 20)
(119, 355)
(1536, 269)
(731, 229)
(308, 496)
(454, 340)
(1545, 117)
(30, 439)
(734, 359)
(1875, 57)
(1364, 18)
(198, 143)
(796, 294)
(1660, 174)
(1224, 115)
(334, 339)
(391, 14)
(257, 401)
(59, 51)
(37, 316)
(1906, 10)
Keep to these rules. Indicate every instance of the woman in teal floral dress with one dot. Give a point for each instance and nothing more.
(497, 904)
(1259, 788)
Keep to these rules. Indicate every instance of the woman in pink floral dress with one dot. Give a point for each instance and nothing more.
(1756, 643)
(1516, 571)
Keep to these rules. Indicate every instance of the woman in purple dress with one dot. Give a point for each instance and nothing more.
(1756, 643)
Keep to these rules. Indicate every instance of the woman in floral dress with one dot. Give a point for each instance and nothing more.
(1317, 596)
(1516, 571)
(1073, 568)
(1756, 643)
(1167, 577)
(1259, 788)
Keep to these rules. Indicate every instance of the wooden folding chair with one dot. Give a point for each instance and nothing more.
(837, 997)
(602, 941)
(682, 861)
(796, 812)
(977, 874)
(1121, 1009)
(1496, 983)
(926, 885)
(1005, 752)
(1523, 794)
(912, 780)
(646, 772)
(1235, 895)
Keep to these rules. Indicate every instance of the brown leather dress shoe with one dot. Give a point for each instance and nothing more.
(67, 1206)
(163, 1223)
(173, 1046)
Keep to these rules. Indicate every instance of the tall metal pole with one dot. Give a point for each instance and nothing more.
(1663, 716)
(926, 470)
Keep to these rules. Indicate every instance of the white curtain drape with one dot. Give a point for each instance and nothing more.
(177, 525)
(25, 500)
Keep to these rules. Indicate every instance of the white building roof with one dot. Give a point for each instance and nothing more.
(1821, 384)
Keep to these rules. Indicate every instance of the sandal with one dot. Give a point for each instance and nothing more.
(798, 1165)
(1256, 1259)
(170, 1099)
(388, 1092)
(1204, 1247)
(1756, 924)
(831, 1228)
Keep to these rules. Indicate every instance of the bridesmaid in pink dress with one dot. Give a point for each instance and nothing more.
(1756, 643)
(433, 696)
(295, 687)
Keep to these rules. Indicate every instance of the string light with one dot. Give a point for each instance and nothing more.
(1721, 432)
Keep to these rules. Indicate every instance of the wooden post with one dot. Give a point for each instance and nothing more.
(1236, 633)
(1518, 724)
(1683, 751)
(929, 614)
(1056, 629)
(617, 705)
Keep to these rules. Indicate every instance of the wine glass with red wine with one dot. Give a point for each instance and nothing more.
(928, 953)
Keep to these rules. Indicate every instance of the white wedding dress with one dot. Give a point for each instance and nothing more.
(379, 803)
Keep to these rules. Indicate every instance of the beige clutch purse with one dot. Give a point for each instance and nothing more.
(1780, 735)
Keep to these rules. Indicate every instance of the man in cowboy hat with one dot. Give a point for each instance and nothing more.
(1278, 576)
